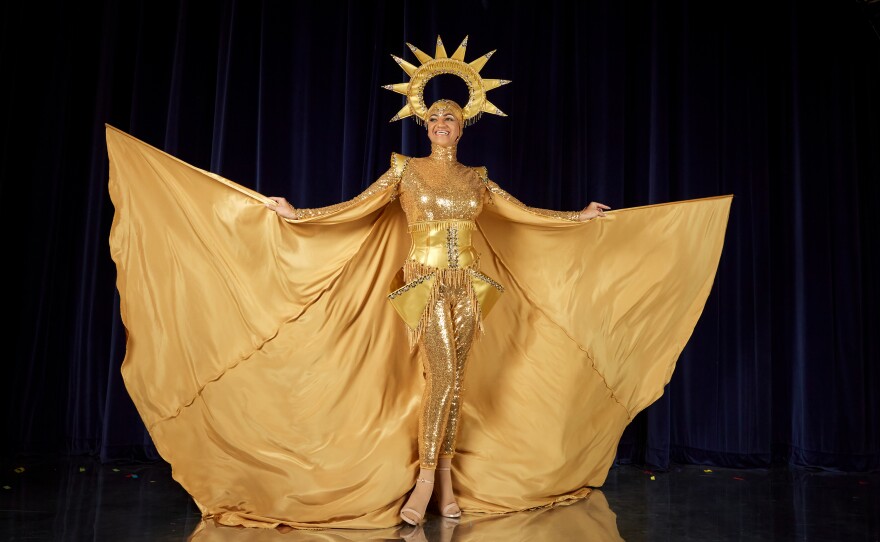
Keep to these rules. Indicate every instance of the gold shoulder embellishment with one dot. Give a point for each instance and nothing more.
(398, 163)
(483, 174)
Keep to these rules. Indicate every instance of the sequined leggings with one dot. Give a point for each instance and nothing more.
(443, 348)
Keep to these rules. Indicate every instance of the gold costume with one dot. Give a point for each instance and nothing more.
(276, 377)
(440, 292)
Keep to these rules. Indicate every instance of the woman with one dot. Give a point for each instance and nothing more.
(441, 197)
(267, 360)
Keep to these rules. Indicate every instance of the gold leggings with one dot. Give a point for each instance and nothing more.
(443, 348)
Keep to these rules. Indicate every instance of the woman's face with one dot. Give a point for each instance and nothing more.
(444, 128)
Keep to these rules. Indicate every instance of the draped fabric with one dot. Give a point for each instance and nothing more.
(629, 104)
(587, 520)
(275, 377)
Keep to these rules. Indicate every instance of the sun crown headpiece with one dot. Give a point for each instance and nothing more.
(440, 64)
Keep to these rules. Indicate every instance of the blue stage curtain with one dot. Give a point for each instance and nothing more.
(626, 103)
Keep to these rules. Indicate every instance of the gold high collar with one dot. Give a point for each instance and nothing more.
(443, 154)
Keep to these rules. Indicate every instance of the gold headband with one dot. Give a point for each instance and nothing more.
(442, 105)
(443, 64)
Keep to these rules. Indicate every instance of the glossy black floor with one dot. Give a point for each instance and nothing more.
(77, 499)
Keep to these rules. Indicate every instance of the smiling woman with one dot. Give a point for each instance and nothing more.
(445, 122)
(285, 384)
(443, 295)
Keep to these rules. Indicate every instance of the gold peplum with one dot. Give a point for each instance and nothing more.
(441, 254)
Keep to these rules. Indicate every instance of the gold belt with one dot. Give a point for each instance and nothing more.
(446, 247)
(443, 244)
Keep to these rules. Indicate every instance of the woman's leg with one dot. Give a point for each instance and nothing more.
(437, 350)
(464, 320)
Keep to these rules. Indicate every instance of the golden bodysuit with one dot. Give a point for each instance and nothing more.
(441, 198)
(273, 372)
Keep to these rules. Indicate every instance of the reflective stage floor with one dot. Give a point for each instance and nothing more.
(79, 499)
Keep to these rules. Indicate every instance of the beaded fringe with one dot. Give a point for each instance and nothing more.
(449, 277)
(442, 225)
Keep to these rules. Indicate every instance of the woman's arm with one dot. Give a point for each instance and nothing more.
(495, 190)
(592, 210)
(389, 179)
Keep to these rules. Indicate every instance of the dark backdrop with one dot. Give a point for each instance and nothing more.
(627, 103)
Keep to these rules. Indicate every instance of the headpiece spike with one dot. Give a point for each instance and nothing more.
(407, 67)
(404, 112)
(459, 53)
(442, 64)
(478, 64)
(489, 84)
(440, 51)
(399, 88)
(489, 107)
(421, 55)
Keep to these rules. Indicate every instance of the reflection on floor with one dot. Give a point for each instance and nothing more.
(73, 499)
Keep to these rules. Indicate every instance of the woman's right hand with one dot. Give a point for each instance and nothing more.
(592, 210)
(282, 207)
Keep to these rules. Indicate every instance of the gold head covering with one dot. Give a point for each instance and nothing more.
(442, 106)
(431, 67)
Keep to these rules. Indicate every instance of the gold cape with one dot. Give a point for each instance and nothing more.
(275, 377)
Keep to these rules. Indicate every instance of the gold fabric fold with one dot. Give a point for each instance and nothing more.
(277, 380)
(589, 519)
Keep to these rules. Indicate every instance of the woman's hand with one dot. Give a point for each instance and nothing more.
(592, 210)
(282, 207)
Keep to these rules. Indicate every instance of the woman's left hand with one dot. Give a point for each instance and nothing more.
(592, 210)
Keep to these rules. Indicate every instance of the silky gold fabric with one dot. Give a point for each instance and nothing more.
(275, 377)
(586, 520)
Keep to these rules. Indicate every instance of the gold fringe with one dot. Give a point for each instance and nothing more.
(455, 278)
(443, 225)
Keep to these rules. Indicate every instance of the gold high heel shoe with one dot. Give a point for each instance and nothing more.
(448, 511)
(415, 513)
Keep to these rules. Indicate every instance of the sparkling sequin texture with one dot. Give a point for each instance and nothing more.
(389, 179)
(495, 190)
(452, 247)
(444, 348)
(438, 187)
(485, 278)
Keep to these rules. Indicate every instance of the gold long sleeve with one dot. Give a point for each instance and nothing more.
(495, 190)
(388, 179)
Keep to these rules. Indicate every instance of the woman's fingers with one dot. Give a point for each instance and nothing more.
(276, 202)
